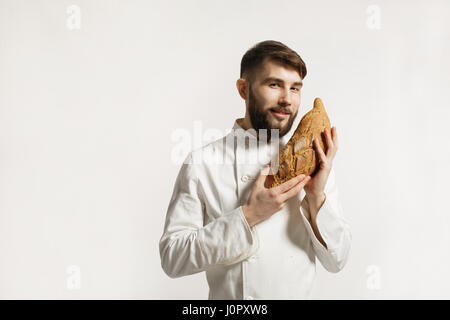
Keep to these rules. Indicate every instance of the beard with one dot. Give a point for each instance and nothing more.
(260, 119)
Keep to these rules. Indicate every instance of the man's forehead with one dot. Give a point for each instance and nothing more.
(274, 70)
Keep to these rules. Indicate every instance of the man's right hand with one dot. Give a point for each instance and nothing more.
(264, 202)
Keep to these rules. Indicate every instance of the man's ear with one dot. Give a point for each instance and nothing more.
(242, 86)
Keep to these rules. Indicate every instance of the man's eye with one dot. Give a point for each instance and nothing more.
(274, 84)
(296, 89)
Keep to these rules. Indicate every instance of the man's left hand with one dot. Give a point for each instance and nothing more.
(315, 188)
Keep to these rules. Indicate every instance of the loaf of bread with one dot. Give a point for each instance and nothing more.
(298, 156)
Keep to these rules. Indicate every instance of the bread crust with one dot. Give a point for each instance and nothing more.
(298, 156)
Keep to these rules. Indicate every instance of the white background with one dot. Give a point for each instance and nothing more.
(87, 116)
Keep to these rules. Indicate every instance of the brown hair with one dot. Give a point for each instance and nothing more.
(254, 58)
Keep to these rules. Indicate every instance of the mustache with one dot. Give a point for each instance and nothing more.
(283, 110)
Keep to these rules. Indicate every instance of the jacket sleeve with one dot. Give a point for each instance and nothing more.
(332, 226)
(187, 246)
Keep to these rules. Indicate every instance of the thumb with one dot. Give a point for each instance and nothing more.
(263, 175)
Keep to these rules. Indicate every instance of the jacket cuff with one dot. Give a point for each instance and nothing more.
(229, 239)
(330, 228)
(254, 243)
(306, 216)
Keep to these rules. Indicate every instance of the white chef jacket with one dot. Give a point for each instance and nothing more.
(205, 228)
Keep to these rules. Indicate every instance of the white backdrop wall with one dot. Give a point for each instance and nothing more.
(92, 92)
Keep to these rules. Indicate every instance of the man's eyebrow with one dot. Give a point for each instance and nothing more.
(268, 79)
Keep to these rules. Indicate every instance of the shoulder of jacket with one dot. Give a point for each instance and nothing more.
(210, 147)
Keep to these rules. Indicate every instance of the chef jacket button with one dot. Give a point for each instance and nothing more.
(249, 298)
(244, 178)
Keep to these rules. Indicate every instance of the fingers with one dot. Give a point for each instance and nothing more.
(322, 156)
(334, 136)
(288, 184)
(330, 144)
(295, 190)
(262, 176)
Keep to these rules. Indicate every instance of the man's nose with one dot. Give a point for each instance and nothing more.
(285, 97)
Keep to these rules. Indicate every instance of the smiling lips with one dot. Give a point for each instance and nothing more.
(280, 114)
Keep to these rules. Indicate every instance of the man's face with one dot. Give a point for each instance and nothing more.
(274, 98)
